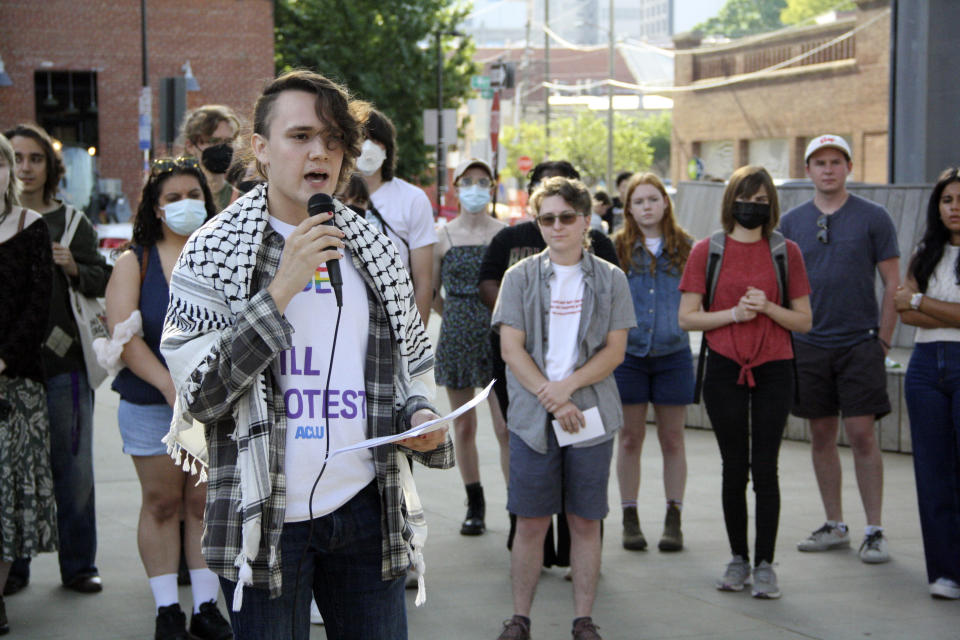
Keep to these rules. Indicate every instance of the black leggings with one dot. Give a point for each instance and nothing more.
(748, 424)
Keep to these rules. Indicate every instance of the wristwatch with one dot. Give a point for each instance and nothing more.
(915, 300)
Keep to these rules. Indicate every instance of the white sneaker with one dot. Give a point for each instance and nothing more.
(945, 589)
(315, 617)
(873, 549)
(737, 575)
(825, 538)
(765, 582)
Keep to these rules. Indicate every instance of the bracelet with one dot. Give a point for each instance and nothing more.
(733, 312)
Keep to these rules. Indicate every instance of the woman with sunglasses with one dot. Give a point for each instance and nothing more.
(28, 517)
(658, 366)
(930, 301)
(175, 201)
(463, 360)
(749, 385)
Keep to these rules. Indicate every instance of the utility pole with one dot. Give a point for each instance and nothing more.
(145, 103)
(441, 146)
(546, 77)
(610, 107)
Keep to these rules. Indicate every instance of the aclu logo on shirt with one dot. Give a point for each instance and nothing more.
(320, 283)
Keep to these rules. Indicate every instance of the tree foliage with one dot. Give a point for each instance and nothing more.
(797, 11)
(738, 18)
(639, 143)
(385, 53)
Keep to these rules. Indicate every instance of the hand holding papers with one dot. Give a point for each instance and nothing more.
(426, 427)
(592, 429)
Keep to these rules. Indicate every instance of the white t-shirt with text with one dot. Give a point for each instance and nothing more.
(302, 374)
(566, 302)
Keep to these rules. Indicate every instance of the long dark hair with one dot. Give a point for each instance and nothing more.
(54, 163)
(147, 227)
(936, 236)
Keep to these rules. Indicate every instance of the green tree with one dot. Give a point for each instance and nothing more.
(384, 52)
(738, 18)
(638, 143)
(797, 11)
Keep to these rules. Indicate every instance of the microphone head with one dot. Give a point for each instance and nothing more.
(319, 203)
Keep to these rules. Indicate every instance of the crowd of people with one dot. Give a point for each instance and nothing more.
(580, 314)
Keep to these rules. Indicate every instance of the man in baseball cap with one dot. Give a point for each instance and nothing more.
(845, 240)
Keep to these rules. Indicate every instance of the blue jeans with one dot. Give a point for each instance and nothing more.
(70, 405)
(932, 390)
(340, 564)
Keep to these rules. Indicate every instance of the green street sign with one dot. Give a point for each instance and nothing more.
(480, 82)
(487, 93)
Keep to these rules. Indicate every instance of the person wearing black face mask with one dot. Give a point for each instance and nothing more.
(208, 133)
(749, 385)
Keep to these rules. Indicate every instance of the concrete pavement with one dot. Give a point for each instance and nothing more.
(648, 595)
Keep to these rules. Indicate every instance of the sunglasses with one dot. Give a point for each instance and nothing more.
(483, 183)
(823, 235)
(161, 166)
(566, 218)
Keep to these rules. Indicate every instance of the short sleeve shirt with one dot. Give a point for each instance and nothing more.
(407, 210)
(746, 264)
(843, 272)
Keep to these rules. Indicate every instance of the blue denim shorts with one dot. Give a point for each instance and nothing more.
(142, 426)
(658, 379)
(573, 479)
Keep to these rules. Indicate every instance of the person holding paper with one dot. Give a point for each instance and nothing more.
(259, 353)
(563, 317)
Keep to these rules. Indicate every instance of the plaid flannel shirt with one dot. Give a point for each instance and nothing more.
(257, 337)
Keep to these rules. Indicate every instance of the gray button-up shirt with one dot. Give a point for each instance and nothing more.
(524, 304)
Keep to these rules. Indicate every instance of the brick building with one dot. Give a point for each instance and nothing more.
(739, 111)
(76, 67)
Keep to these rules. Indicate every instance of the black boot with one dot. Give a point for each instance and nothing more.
(473, 524)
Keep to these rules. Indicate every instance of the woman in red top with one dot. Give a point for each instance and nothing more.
(748, 388)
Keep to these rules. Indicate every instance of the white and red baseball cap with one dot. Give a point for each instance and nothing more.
(827, 141)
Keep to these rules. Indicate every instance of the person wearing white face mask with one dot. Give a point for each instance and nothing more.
(175, 202)
(464, 361)
(404, 207)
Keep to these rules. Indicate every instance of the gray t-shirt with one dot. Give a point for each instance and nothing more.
(842, 272)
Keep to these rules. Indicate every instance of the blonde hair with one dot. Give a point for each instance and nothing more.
(11, 196)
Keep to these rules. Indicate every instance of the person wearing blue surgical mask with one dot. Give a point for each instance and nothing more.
(175, 202)
(463, 360)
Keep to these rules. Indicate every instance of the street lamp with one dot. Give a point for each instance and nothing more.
(441, 145)
(5, 80)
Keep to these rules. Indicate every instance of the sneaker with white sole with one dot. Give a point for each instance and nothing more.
(873, 549)
(826, 538)
(765, 582)
(737, 575)
(945, 589)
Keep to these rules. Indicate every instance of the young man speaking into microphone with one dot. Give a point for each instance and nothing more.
(282, 376)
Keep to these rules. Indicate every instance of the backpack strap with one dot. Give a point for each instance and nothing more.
(386, 225)
(23, 217)
(778, 251)
(718, 241)
(71, 222)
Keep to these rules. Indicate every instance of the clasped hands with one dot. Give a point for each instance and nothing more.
(554, 395)
(902, 297)
(751, 303)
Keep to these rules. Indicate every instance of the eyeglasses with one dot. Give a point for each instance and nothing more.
(483, 183)
(566, 218)
(161, 166)
(824, 234)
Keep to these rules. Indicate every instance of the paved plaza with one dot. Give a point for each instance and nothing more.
(642, 595)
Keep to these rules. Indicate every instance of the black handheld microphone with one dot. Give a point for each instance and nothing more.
(322, 203)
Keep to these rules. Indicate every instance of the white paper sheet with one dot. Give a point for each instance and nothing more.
(593, 429)
(426, 427)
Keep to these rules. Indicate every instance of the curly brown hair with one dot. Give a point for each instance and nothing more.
(54, 163)
(676, 241)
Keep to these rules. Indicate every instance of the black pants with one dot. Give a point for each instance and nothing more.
(748, 424)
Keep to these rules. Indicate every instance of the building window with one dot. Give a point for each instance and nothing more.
(773, 154)
(717, 157)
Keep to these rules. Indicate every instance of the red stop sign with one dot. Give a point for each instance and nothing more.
(524, 163)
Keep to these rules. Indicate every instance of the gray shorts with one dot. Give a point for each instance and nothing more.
(572, 479)
(850, 381)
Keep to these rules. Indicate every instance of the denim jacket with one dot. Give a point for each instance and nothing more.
(656, 300)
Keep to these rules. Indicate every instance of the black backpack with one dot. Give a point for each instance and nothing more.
(718, 240)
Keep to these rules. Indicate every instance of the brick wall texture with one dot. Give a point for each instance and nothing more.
(846, 96)
(229, 44)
